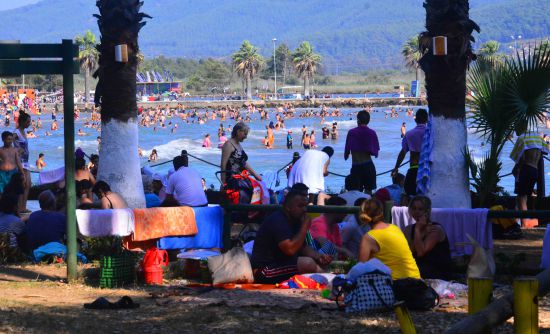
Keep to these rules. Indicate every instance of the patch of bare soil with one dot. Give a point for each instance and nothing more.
(36, 299)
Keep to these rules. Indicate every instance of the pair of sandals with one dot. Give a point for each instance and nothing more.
(103, 304)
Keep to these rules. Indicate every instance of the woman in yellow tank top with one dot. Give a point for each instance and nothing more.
(386, 242)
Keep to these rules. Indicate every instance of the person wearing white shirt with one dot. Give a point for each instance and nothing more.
(311, 169)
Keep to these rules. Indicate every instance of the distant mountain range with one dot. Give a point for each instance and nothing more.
(351, 35)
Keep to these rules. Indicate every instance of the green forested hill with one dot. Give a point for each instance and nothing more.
(350, 34)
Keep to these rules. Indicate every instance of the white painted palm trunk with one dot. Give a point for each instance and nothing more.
(119, 163)
(449, 173)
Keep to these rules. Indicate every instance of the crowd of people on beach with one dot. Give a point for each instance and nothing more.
(289, 241)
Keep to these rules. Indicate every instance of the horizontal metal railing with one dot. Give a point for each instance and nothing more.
(354, 209)
(228, 208)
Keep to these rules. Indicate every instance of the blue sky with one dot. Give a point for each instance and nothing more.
(11, 4)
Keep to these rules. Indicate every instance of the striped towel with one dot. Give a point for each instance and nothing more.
(327, 248)
(309, 241)
(527, 141)
(423, 178)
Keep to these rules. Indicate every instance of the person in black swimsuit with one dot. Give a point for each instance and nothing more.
(428, 241)
(108, 198)
(236, 184)
(234, 158)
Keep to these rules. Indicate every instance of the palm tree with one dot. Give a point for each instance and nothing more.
(305, 63)
(412, 54)
(516, 91)
(446, 90)
(247, 62)
(488, 55)
(119, 23)
(87, 56)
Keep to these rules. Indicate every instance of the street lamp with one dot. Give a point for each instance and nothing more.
(275, 67)
(515, 39)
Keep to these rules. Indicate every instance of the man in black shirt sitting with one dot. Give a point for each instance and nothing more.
(279, 250)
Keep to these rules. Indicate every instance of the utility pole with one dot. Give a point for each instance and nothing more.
(275, 67)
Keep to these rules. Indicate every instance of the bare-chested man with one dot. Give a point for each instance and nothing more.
(9, 160)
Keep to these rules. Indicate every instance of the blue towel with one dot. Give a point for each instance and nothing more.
(423, 181)
(210, 226)
(56, 249)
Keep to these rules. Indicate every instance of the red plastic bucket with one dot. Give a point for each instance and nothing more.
(152, 265)
(153, 275)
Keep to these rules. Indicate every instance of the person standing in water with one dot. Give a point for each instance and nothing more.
(206, 143)
(40, 164)
(362, 143)
(289, 140)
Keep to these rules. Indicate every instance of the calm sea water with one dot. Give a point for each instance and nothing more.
(190, 136)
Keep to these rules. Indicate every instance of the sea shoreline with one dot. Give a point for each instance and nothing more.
(313, 103)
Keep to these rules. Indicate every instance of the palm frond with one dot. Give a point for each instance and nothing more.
(305, 60)
(247, 60)
(412, 53)
(527, 90)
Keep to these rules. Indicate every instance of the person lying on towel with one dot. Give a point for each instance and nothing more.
(280, 251)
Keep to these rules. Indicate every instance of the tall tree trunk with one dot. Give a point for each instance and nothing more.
(119, 164)
(306, 85)
(248, 87)
(446, 89)
(86, 89)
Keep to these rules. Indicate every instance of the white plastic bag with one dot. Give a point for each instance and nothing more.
(231, 267)
(482, 263)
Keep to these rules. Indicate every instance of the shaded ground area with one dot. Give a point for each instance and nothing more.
(36, 299)
(520, 256)
(52, 306)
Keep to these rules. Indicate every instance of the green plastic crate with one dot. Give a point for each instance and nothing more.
(108, 282)
(116, 271)
(117, 261)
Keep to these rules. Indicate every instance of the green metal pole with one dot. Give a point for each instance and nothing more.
(388, 205)
(227, 224)
(68, 109)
